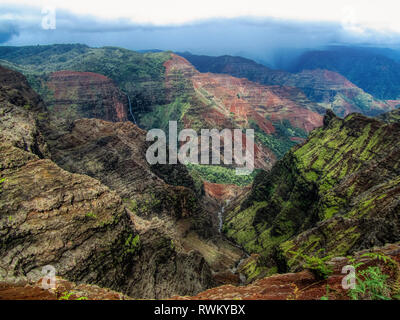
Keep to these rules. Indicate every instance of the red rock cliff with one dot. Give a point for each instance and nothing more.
(86, 95)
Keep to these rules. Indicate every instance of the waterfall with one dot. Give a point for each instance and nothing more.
(220, 216)
(220, 213)
(130, 110)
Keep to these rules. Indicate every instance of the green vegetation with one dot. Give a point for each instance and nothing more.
(141, 76)
(391, 117)
(326, 296)
(393, 266)
(321, 185)
(132, 244)
(68, 294)
(219, 174)
(1, 184)
(91, 215)
(371, 284)
(279, 142)
(145, 205)
(253, 270)
(317, 265)
(160, 115)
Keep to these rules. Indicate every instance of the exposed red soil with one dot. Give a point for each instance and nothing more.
(221, 192)
(230, 102)
(297, 139)
(65, 290)
(94, 95)
(303, 285)
(243, 99)
(10, 291)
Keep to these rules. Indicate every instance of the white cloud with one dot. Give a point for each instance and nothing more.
(381, 15)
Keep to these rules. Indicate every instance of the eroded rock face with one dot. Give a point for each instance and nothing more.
(18, 106)
(114, 153)
(74, 95)
(390, 117)
(303, 285)
(222, 192)
(205, 100)
(50, 216)
(333, 91)
(329, 89)
(162, 267)
(335, 194)
(242, 98)
(78, 224)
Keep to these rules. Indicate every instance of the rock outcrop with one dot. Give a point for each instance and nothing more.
(222, 192)
(64, 290)
(63, 217)
(305, 285)
(74, 95)
(72, 222)
(333, 195)
(48, 215)
(20, 108)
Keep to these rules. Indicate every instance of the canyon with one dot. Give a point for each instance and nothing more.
(320, 83)
(130, 231)
(77, 193)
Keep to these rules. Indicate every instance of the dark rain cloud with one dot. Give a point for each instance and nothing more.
(267, 40)
(7, 32)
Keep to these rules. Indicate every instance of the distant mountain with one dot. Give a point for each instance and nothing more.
(149, 51)
(42, 54)
(370, 70)
(236, 66)
(281, 116)
(159, 87)
(329, 89)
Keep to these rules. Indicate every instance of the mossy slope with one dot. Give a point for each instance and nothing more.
(337, 193)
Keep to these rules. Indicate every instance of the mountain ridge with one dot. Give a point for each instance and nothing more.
(327, 88)
(322, 196)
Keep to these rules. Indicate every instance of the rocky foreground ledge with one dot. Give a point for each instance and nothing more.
(302, 285)
(65, 290)
(307, 285)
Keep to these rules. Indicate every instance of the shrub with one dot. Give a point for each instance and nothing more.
(91, 215)
(315, 264)
(371, 285)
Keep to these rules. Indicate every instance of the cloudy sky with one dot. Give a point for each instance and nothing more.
(258, 29)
